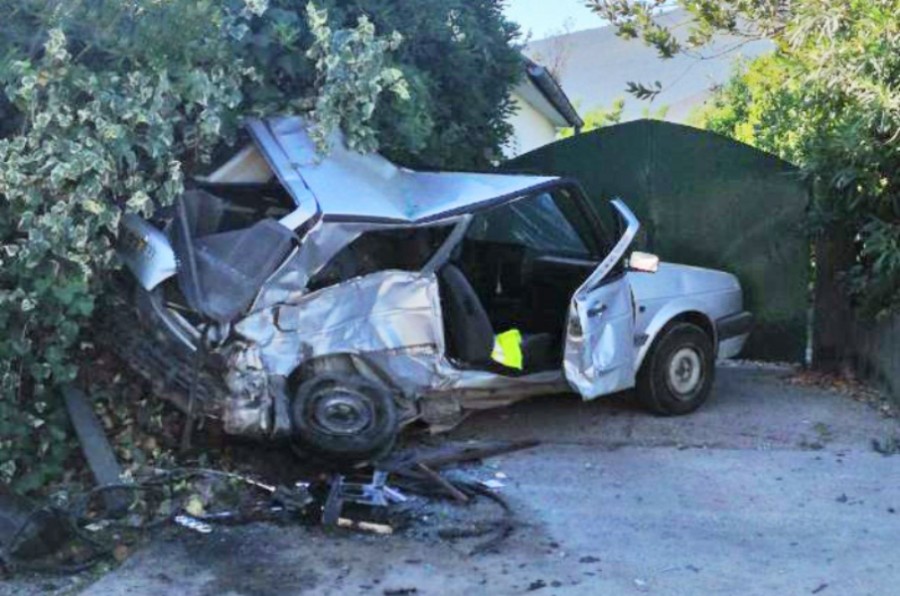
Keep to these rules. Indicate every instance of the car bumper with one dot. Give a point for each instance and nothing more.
(732, 333)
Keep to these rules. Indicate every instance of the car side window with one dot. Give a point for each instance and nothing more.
(404, 249)
(538, 223)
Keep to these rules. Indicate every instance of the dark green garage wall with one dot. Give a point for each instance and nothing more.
(705, 200)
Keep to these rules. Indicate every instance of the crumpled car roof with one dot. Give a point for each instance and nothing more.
(351, 186)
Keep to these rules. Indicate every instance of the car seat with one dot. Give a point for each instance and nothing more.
(470, 335)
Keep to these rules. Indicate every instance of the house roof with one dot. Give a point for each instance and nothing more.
(545, 94)
(599, 64)
(352, 186)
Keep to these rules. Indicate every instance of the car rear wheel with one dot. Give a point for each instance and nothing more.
(344, 418)
(678, 373)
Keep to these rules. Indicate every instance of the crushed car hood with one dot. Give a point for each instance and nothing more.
(349, 186)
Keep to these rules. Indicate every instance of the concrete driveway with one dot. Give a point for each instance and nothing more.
(771, 488)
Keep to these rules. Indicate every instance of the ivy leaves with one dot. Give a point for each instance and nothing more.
(352, 73)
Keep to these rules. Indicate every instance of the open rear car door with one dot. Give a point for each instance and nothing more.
(600, 351)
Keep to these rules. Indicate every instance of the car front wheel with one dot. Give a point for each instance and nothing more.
(344, 418)
(678, 373)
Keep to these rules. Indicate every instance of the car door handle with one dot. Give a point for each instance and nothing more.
(597, 310)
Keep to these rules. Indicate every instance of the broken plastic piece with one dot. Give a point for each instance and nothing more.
(382, 529)
(193, 523)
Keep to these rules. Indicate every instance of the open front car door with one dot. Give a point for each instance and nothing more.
(600, 351)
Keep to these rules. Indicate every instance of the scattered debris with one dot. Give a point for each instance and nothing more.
(192, 523)
(373, 494)
(455, 454)
(443, 483)
(193, 498)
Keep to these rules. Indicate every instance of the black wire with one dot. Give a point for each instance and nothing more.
(77, 513)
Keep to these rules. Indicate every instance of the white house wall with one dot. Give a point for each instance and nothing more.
(531, 129)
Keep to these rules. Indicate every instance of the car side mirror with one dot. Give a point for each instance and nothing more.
(644, 262)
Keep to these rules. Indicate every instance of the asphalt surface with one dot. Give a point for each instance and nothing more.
(771, 488)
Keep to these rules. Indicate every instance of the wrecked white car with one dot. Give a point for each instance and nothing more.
(337, 299)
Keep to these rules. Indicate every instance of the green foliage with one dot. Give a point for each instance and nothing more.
(828, 99)
(107, 106)
(460, 62)
(352, 74)
(458, 59)
(98, 130)
(598, 118)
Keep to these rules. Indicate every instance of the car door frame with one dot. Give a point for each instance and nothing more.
(599, 348)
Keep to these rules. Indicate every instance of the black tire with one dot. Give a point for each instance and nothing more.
(344, 418)
(678, 372)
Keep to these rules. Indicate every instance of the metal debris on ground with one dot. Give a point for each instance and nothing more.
(384, 529)
(321, 500)
(373, 494)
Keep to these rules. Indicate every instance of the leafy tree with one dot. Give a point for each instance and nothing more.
(108, 105)
(828, 99)
(459, 62)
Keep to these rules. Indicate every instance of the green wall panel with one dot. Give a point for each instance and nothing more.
(704, 200)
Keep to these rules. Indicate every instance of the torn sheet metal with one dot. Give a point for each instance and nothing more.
(385, 311)
(248, 406)
(289, 282)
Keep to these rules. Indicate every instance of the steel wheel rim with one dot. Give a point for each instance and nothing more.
(342, 412)
(685, 372)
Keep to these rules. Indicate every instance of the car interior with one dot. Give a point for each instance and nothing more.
(403, 249)
(518, 267)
